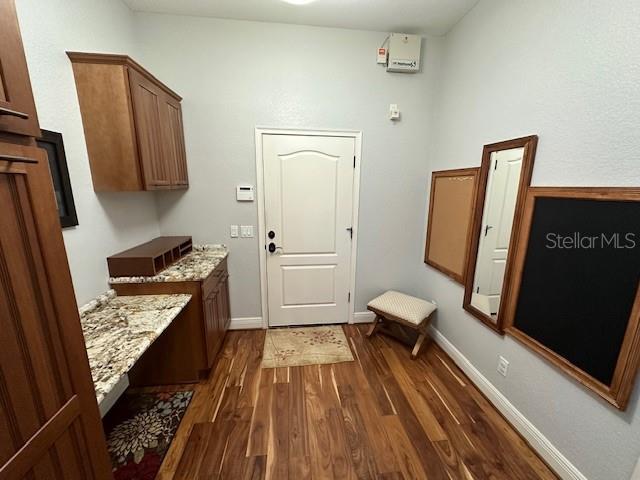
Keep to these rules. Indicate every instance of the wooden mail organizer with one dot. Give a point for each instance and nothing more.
(150, 258)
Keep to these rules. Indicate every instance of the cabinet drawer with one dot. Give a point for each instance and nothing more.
(213, 280)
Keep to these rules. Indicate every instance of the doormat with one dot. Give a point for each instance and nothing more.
(294, 347)
(140, 428)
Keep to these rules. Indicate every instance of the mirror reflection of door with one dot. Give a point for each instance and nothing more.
(497, 220)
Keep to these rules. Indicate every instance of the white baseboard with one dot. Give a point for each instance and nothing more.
(363, 317)
(246, 323)
(562, 466)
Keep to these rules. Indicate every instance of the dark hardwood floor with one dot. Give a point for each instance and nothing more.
(382, 416)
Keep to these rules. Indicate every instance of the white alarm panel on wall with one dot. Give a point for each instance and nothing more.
(404, 53)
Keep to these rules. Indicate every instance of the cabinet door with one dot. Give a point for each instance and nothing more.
(212, 329)
(49, 421)
(174, 141)
(227, 304)
(222, 320)
(147, 105)
(17, 110)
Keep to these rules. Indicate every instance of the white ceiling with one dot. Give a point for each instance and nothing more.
(434, 17)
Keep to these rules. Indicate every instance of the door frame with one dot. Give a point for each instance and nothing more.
(259, 132)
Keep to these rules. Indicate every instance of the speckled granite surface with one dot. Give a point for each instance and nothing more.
(193, 267)
(118, 330)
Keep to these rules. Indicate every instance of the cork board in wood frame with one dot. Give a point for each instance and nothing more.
(451, 208)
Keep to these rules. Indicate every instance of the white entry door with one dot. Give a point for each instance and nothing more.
(308, 198)
(499, 209)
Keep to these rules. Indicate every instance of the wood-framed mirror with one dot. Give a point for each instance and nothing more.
(505, 175)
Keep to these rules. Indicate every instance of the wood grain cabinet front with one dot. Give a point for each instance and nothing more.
(217, 312)
(132, 123)
(17, 109)
(173, 141)
(211, 324)
(49, 421)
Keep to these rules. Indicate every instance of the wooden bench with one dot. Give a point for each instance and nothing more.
(405, 310)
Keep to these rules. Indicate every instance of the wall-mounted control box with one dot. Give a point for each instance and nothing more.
(244, 193)
(404, 53)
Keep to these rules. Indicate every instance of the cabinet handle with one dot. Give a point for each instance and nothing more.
(13, 113)
(14, 158)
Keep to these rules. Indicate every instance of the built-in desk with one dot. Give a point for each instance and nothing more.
(118, 331)
(187, 352)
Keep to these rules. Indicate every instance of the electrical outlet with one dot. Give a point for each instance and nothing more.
(503, 366)
(234, 231)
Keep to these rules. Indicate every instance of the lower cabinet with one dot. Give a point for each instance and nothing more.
(217, 315)
(187, 350)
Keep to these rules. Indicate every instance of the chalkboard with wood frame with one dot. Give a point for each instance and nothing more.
(575, 297)
(451, 205)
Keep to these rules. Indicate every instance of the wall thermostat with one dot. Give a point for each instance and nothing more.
(244, 193)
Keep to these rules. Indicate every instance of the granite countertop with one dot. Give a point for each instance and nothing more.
(118, 330)
(193, 267)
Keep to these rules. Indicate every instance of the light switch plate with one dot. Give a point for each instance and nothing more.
(246, 231)
(394, 112)
(234, 231)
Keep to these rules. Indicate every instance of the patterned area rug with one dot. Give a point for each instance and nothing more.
(139, 430)
(292, 347)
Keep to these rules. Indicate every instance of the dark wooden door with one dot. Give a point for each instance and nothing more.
(17, 110)
(173, 140)
(148, 101)
(49, 422)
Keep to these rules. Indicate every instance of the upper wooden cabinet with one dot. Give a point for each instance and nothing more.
(132, 124)
(17, 110)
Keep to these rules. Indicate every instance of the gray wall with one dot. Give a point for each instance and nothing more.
(237, 75)
(108, 222)
(569, 72)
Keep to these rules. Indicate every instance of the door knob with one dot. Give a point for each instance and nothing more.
(272, 247)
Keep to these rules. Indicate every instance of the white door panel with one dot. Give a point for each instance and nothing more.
(309, 185)
(500, 201)
(309, 285)
(512, 168)
(308, 190)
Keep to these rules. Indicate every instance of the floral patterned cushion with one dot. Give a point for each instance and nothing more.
(411, 309)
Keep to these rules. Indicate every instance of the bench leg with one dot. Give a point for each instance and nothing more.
(374, 326)
(416, 349)
(424, 326)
